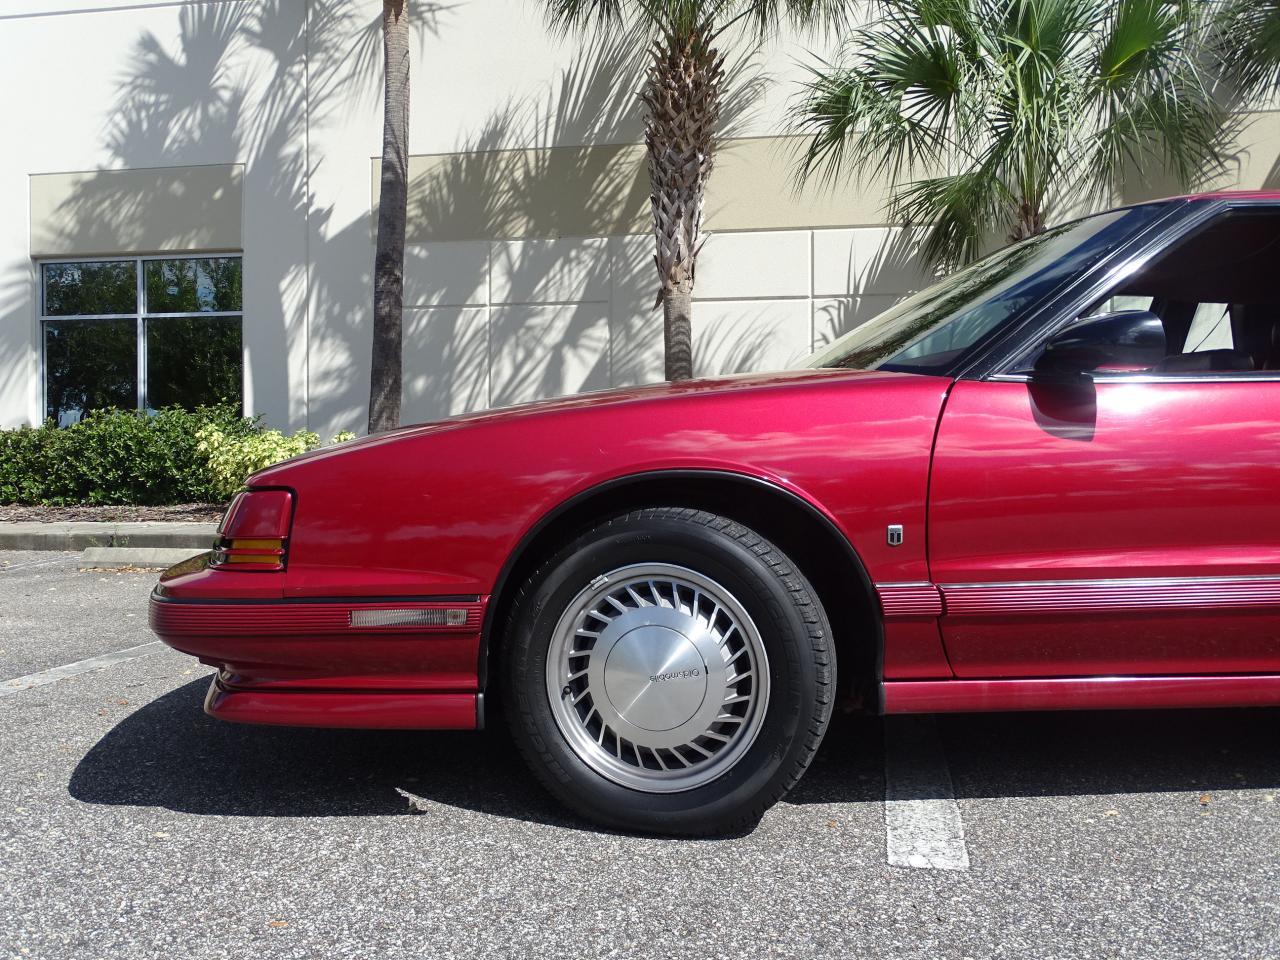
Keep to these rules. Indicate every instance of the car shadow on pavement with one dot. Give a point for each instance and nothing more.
(1112, 752)
(170, 754)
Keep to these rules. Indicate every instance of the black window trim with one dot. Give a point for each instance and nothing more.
(140, 314)
(1055, 309)
(1065, 308)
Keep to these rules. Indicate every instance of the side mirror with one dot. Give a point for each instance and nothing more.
(1126, 339)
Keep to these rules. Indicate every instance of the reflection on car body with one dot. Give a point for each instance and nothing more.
(1049, 481)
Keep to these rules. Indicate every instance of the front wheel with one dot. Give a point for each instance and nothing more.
(669, 671)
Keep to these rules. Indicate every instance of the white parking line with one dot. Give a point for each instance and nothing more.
(921, 818)
(28, 564)
(53, 674)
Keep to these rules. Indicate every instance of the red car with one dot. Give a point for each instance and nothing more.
(1050, 481)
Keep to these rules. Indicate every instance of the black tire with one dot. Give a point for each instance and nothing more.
(792, 626)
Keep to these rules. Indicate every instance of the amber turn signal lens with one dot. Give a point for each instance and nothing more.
(261, 553)
(257, 544)
(252, 551)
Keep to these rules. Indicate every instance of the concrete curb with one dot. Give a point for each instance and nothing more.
(148, 558)
(84, 534)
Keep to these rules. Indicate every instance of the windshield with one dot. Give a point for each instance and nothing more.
(931, 330)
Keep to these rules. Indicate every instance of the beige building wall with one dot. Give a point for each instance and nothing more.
(529, 272)
(255, 125)
(145, 127)
(163, 209)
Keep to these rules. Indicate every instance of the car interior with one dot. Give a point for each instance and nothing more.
(1216, 294)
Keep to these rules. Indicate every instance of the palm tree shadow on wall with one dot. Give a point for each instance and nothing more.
(557, 294)
(574, 310)
(732, 344)
(1272, 180)
(15, 326)
(892, 273)
(239, 85)
(173, 107)
(459, 354)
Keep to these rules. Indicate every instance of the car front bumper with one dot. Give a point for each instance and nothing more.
(359, 662)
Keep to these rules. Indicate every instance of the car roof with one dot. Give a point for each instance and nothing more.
(1229, 195)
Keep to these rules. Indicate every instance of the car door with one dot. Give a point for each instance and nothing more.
(1127, 522)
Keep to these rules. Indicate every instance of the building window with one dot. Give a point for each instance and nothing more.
(144, 332)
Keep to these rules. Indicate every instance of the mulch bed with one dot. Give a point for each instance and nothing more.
(184, 512)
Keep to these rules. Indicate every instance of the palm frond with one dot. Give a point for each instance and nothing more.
(814, 16)
(893, 111)
(1154, 97)
(1247, 45)
(958, 213)
(1025, 103)
(564, 16)
(682, 17)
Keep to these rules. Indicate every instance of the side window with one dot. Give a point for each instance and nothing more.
(1213, 295)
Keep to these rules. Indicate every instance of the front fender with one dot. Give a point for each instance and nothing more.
(441, 512)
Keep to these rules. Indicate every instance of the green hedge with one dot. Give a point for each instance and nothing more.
(231, 456)
(129, 457)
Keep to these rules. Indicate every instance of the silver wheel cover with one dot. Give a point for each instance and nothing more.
(657, 677)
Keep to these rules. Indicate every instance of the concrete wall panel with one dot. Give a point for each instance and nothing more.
(772, 263)
(548, 351)
(446, 362)
(835, 316)
(137, 211)
(446, 274)
(739, 336)
(550, 271)
(866, 261)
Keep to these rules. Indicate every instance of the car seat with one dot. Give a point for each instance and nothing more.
(1255, 330)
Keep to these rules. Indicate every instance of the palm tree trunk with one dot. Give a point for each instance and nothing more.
(681, 95)
(1028, 221)
(677, 330)
(388, 262)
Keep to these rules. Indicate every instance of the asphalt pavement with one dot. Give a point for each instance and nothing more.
(132, 825)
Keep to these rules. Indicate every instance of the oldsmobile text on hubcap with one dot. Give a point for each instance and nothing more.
(657, 677)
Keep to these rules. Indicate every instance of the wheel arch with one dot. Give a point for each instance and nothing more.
(799, 528)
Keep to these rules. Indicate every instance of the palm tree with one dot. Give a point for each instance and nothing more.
(388, 261)
(1248, 43)
(992, 117)
(682, 92)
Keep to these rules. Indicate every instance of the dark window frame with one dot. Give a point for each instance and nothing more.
(1192, 215)
(140, 316)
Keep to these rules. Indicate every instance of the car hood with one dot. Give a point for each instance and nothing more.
(656, 393)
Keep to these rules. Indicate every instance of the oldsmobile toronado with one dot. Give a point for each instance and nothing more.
(1049, 481)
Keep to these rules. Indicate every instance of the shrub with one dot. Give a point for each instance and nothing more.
(232, 458)
(130, 457)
